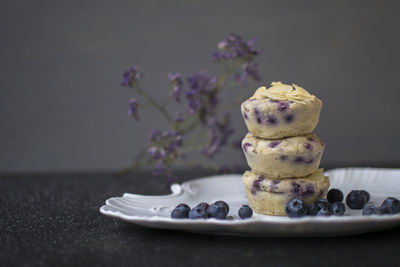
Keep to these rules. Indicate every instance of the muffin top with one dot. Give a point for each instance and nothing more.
(284, 92)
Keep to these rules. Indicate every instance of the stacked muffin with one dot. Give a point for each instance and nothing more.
(280, 148)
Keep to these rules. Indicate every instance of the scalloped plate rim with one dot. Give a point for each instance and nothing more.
(270, 220)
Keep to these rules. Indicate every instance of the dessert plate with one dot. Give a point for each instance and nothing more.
(154, 211)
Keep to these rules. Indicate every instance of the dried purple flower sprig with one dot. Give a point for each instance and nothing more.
(239, 53)
(200, 112)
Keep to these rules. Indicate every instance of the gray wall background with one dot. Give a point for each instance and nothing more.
(61, 107)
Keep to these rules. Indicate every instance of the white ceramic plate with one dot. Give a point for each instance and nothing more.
(154, 211)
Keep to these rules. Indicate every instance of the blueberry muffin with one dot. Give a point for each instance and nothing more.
(281, 110)
(269, 196)
(285, 157)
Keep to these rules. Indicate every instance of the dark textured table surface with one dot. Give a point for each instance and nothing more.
(54, 219)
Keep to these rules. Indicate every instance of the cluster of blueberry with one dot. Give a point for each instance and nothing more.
(390, 205)
(332, 205)
(217, 210)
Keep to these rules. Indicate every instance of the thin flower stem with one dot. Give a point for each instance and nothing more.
(139, 159)
(154, 103)
(185, 126)
(165, 102)
(190, 147)
(228, 72)
(195, 163)
(190, 127)
(224, 77)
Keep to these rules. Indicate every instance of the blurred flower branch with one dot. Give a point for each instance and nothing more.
(200, 113)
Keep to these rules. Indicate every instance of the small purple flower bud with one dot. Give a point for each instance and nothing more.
(178, 140)
(252, 42)
(175, 78)
(219, 133)
(165, 134)
(249, 71)
(160, 168)
(153, 135)
(233, 47)
(176, 93)
(156, 153)
(213, 80)
(222, 45)
(131, 76)
(217, 55)
(202, 94)
(179, 116)
(133, 108)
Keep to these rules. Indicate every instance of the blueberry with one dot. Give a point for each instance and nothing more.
(182, 206)
(334, 195)
(273, 144)
(381, 210)
(367, 195)
(180, 211)
(308, 146)
(199, 212)
(369, 210)
(296, 208)
(203, 205)
(289, 118)
(223, 204)
(257, 185)
(245, 212)
(298, 159)
(216, 211)
(283, 106)
(356, 199)
(323, 204)
(337, 208)
(271, 120)
(324, 212)
(244, 147)
(391, 205)
(312, 209)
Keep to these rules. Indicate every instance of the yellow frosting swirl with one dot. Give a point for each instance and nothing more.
(280, 91)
